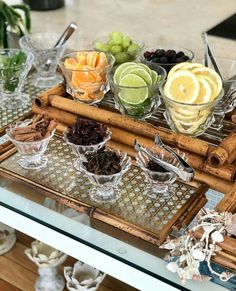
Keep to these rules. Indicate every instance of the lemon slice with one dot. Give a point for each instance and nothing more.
(211, 74)
(176, 68)
(205, 93)
(192, 66)
(183, 86)
(212, 85)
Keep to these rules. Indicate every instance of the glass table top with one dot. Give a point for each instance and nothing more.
(31, 204)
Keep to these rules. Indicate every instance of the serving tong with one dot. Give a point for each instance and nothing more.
(208, 53)
(180, 167)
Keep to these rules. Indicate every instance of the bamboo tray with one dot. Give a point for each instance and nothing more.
(133, 213)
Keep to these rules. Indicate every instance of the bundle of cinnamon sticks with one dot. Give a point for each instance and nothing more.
(41, 127)
(125, 130)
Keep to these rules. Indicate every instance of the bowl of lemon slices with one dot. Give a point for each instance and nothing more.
(190, 94)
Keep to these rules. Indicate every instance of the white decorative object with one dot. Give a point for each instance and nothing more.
(7, 238)
(188, 251)
(83, 277)
(47, 259)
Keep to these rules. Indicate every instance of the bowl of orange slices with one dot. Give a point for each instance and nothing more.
(86, 75)
(190, 94)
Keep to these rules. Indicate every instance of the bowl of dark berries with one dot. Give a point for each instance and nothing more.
(159, 180)
(86, 136)
(167, 58)
(105, 169)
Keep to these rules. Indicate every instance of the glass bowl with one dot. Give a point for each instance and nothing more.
(189, 119)
(14, 67)
(87, 85)
(32, 152)
(167, 66)
(145, 108)
(159, 183)
(105, 186)
(227, 103)
(129, 56)
(46, 57)
(81, 150)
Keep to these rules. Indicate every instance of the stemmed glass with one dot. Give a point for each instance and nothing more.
(14, 67)
(105, 186)
(32, 152)
(41, 45)
(227, 69)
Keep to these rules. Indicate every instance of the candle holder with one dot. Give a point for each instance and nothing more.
(47, 259)
(7, 238)
(83, 277)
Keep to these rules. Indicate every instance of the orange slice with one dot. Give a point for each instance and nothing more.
(81, 58)
(79, 77)
(101, 60)
(71, 63)
(92, 58)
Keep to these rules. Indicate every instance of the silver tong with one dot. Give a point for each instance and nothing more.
(180, 167)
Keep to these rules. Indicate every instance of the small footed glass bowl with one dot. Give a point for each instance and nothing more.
(189, 119)
(105, 186)
(14, 67)
(159, 183)
(81, 150)
(149, 93)
(32, 152)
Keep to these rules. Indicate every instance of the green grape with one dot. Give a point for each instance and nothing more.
(111, 42)
(122, 57)
(117, 37)
(126, 41)
(133, 48)
(101, 46)
(116, 49)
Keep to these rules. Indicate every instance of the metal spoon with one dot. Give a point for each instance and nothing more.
(63, 38)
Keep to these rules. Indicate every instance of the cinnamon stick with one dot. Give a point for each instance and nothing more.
(61, 127)
(222, 153)
(42, 99)
(139, 127)
(228, 203)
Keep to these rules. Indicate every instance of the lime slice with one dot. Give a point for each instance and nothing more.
(133, 95)
(127, 70)
(143, 74)
(145, 67)
(155, 77)
(120, 69)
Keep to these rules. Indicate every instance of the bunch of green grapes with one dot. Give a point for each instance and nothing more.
(121, 46)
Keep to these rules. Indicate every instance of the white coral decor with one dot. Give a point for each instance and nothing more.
(83, 277)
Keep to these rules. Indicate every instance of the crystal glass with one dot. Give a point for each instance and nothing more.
(159, 183)
(81, 150)
(87, 85)
(167, 66)
(12, 76)
(148, 106)
(105, 186)
(189, 119)
(41, 45)
(32, 152)
(227, 103)
(130, 56)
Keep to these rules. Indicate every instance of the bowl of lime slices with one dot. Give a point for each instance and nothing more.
(123, 47)
(136, 88)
